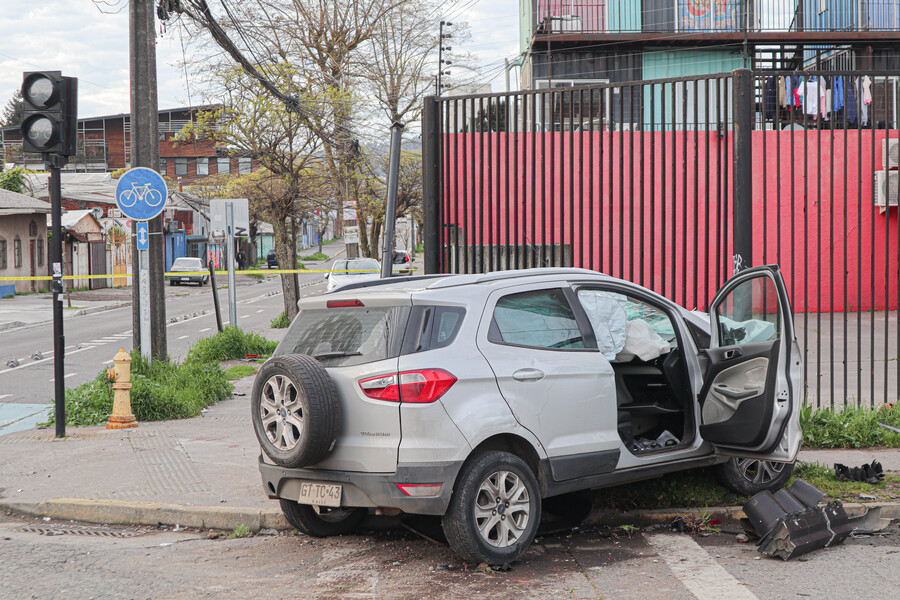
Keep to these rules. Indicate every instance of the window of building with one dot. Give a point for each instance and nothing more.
(202, 166)
(2, 253)
(223, 165)
(32, 228)
(162, 166)
(180, 166)
(243, 166)
(17, 253)
(40, 252)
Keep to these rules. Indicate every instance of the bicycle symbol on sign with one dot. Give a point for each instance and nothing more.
(129, 198)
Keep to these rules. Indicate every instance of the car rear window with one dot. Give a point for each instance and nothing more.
(188, 262)
(347, 336)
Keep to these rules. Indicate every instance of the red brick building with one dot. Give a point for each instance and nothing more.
(104, 144)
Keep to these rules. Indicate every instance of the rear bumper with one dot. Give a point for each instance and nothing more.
(368, 490)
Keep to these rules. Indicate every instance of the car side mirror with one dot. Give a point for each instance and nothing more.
(326, 275)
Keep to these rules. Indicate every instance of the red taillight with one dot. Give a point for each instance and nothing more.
(343, 303)
(420, 387)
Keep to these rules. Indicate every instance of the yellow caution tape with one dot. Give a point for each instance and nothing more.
(179, 273)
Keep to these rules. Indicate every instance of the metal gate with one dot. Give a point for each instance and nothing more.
(676, 183)
(97, 265)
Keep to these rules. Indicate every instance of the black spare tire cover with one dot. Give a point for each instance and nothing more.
(295, 409)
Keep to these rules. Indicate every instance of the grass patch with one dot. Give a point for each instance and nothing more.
(316, 257)
(420, 248)
(823, 478)
(281, 321)
(228, 344)
(241, 531)
(852, 427)
(697, 487)
(254, 275)
(161, 391)
(239, 372)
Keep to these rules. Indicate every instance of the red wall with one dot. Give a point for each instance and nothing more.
(602, 207)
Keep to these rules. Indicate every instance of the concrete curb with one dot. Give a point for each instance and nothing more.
(728, 514)
(226, 518)
(152, 513)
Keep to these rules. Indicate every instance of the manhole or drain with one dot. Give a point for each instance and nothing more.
(83, 530)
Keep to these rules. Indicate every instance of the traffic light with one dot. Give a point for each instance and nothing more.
(51, 113)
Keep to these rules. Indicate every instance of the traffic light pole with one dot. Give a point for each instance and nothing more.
(54, 163)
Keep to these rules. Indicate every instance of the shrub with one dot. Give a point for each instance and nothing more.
(316, 257)
(228, 344)
(281, 321)
(852, 427)
(161, 390)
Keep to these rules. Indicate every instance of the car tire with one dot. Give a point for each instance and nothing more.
(295, 410)
(750, 476)
(471, 523)
(337, 521)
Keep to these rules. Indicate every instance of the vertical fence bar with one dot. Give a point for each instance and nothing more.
(651, 283)
(591, 197)
(431, 156)
(743, 99)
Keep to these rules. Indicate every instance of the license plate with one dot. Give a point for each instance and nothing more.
(185, 278)
(320, 494)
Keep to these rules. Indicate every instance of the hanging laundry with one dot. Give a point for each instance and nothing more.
(770, 98)
(782, 95)
(838, 102)
(810, 96)
(866, 90)
(795, 90)
(851, 107)
(823, 99)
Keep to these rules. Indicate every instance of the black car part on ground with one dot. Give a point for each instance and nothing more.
(867, 473)
(790, 523)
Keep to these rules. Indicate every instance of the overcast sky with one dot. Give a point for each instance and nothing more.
(74, 37)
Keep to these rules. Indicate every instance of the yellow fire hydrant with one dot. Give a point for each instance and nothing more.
(120, 374)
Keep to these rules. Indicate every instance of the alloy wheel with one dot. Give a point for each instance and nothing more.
(759, 471)
(281, 412)
(502, 509)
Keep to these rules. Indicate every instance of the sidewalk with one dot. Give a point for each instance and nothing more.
(199, 472)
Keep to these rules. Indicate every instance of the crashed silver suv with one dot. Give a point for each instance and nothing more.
(479, 397)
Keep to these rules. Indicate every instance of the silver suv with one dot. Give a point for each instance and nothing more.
(478, 397)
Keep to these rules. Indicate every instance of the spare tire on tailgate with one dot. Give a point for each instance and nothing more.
(295, 409)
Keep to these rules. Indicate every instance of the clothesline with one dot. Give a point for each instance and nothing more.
(811, 97)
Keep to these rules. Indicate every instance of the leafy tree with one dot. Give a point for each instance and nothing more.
(14, 180)
(13, 112)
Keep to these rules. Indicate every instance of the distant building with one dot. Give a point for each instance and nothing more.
(104, 144)
(23, 241)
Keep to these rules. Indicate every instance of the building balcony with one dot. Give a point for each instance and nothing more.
(680, 21)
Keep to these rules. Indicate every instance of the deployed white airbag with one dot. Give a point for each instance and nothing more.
(608, 320)
(642, 341)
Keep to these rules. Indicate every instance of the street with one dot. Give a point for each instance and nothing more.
(67, 560)
(26, 391)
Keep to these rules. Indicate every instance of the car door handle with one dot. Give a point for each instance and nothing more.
(733, 353)
(528, 375)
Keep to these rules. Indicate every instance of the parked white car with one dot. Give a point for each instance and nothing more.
(352, 270)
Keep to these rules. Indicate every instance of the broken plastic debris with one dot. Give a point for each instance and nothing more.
(868, 473)
(790, 522)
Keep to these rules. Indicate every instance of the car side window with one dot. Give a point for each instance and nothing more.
(749, 313)
(538, 319)
(626, 326)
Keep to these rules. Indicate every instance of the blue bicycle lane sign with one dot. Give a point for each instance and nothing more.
(141, 194)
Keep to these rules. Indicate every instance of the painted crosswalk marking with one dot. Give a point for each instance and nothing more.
(696, 569)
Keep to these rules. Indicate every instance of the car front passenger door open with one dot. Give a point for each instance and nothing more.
(752, 389)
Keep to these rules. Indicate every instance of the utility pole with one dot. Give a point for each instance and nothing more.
(390, 216)
(145, 153)
(441, 50)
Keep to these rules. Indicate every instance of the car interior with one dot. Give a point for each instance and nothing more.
(653, 390)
